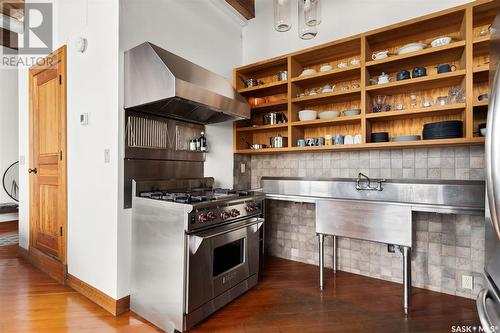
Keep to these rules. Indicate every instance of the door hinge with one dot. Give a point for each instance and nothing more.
(60, 155)
(60, 79)
(60, 231)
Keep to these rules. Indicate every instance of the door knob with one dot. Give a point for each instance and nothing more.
(34, 170)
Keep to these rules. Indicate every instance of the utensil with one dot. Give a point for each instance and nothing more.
(252, 82)
(278, 141)
(348, 140)
(483, 97)
(419, 72)
(325, 68)
(305, 115)
(273, 118)
(398, 106)
(352, 112)
(441, 41)
(256, 101)
(328, 114)
(342, 65)
(445, 68)
(406, 138)
(403, 75)
(412, 47)
(427, 103)
(381, 79)
(442, 100)
(380, 55)
(282, 75)
(308, 71)
(339, 139)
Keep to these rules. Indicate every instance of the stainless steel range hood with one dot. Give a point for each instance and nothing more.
(161, 83)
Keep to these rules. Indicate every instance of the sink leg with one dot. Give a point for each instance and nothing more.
(406, 278)
(334, 254)
(321, 239)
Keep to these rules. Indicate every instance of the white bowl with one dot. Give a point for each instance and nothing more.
(441, 41)
(412, 47)
(325, 68)
(329, 114)
(307, 115)
(482, 130)
(309, 71)
(352, 112)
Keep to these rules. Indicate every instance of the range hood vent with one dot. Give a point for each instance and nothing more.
(162, 83)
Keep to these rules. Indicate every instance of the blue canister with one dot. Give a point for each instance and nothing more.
(419, 72)
(403, 75)
(339, 139)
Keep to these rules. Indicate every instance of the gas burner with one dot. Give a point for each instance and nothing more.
(224, 191)
(198, 198)
(201, 189)
(244, 193)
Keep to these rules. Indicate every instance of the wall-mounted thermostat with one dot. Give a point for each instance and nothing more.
(84, 119)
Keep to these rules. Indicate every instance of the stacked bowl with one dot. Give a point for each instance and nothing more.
(443, 130)
(380, 137)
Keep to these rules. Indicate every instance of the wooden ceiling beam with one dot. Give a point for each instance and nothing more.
(12, 8)
(244, 7)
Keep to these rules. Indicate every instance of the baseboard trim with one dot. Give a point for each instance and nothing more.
(54, 268)
(115, 307)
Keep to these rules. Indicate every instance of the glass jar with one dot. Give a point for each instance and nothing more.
(282, 15)
(305, 31)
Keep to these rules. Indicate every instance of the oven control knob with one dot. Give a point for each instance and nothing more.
(202, 218)
(225, 215)
(211, 216)
(251, 207)
(235, 212)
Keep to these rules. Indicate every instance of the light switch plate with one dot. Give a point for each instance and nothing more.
(84, 119)
(243, 167)
(467, 282)
(107, 157)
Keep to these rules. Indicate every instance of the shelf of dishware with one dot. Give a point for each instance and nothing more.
(426, 56)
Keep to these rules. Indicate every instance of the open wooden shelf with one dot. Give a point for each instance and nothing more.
(261, 127)
(437, 110)
(425, 82)
(468, 51)
(327, 122)
(330, 75)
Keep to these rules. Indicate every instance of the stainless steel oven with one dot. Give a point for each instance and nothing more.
(219, 259)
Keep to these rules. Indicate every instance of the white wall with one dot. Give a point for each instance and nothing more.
(201, 33)
(341, 18)
(92, 184)
(8, 122)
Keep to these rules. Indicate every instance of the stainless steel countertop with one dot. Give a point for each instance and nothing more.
(438, 196)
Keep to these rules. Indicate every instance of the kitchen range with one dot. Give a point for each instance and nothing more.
(194, 249)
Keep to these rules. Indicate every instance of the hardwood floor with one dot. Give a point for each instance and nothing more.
(287, 299)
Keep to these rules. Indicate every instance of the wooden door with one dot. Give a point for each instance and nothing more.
(47, 168)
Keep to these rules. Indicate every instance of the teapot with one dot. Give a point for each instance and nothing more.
(382, 78)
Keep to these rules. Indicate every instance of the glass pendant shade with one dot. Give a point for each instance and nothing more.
(282, 15)
(312, 12)
(306, 31)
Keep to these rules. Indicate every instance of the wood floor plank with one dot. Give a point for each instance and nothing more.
(287, 299)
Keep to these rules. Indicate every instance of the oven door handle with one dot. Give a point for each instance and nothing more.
(196, 240)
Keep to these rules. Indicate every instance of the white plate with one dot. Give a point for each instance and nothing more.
(309, 71)
(412, 47)
(325, 68)
(441, 41)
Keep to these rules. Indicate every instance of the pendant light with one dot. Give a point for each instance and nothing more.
(306, 31)
(282, 15)
(312, 10)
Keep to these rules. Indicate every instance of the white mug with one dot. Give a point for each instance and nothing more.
(357, 139)
(348, 140)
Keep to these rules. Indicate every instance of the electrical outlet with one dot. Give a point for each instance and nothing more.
(243, 167)
(391, 248)
(467, 282)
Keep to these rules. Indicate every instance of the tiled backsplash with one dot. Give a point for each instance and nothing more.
(445, 247)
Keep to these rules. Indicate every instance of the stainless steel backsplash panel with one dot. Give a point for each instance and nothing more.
(430, 192)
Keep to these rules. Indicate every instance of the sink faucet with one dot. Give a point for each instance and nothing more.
(362, 178)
